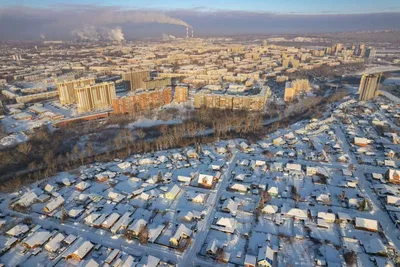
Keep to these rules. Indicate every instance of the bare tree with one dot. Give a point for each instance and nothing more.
(141, 134)
(219, 254)
(143, 235)
(350, 258)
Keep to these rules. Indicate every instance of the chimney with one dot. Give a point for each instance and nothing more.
(187, 32)
(192, 33)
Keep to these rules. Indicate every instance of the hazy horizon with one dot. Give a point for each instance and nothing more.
(69, 20)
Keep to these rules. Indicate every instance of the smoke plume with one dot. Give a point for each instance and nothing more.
(88, 33)
(92, 33)
(116, 35)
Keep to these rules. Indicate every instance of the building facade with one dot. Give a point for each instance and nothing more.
(136, 78)
(369, 86)
(181, 94)
(95, 97)
(234, 102)
(66, 89)
(295, 88)
(156, 83)
(142, 101)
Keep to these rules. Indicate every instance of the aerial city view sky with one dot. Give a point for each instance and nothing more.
(152, 18)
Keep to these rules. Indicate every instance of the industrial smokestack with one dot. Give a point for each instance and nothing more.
(192, 33)
(187, 32)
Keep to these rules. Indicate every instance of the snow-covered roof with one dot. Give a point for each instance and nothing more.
(239, 187)
(366, 224)
(54, 243)
(82, 185)
(293, 167)
(83, 250)
(270, 209)
(181, 231)
(205, 179)
(393, 200)
(173, 192)
(18, 230)
(250, 260)
(230, 205)
(199, 198)
(149, 261)
(137, 225)
(75, 212)
(124, 165)
(27, 199)
(297, 213)
(54, 204)
(226, 222)
(329, 217)
(109, 222)
(265, 254)
(37, 239)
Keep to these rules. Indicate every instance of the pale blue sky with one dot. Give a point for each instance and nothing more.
(278, 6)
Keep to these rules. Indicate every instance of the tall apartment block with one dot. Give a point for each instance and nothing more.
(136, 78)
(156, 83)
(142, 100)
(66, 89)
(181, 94)
(257, 102)
(289, 94)
(369, 86)
(96, 96)
(294, 88)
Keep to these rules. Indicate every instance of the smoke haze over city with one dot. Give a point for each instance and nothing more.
(92, 22)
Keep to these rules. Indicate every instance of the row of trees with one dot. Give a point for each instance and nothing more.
(68, 148)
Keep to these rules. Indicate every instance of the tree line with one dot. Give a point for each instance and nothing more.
(65, 149)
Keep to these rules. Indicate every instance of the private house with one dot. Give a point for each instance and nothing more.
(137, 226)
(80, 253)
(181, 232)
(199, 198)
(250, 261)
(327, 217)
(27, 199)
(273, 191)
(366, 224)
(173, 192)
(270, 209)
(240, 188)
(54, 244)
(230, 206)
(362, 142)
(224, 224)
(205, 180)
(75, 212)
(393, 176)
(265, 257)
(54, 204)
(18, 230)
(110, 221)
(37, 239)
(82, 186)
